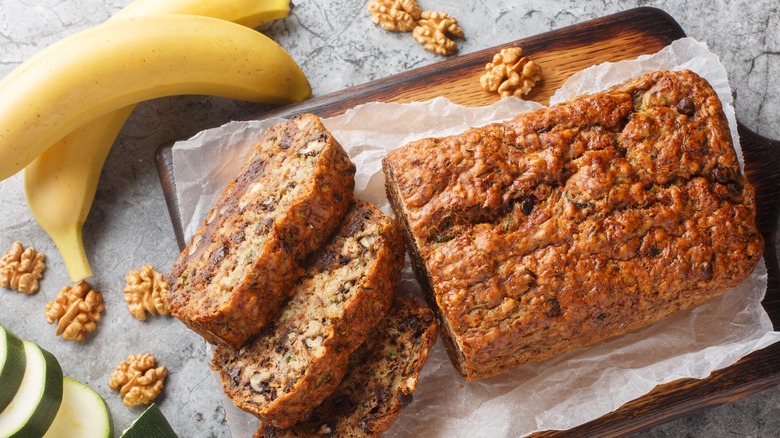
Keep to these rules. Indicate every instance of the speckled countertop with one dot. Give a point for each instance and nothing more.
(338, 47)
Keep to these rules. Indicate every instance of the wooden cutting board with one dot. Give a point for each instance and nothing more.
(561, 53)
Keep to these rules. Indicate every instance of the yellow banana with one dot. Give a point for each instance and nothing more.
(249, 13)
(60, 184)
(126, 61)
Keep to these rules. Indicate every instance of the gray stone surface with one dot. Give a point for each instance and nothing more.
(337, 47)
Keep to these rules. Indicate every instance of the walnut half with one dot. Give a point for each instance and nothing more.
(76, 310)
(138, 380)
(144, 292)
(20, 269)
(510, 73)
(435, 31)
(395, 15)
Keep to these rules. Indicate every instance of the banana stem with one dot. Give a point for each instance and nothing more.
(71, 246)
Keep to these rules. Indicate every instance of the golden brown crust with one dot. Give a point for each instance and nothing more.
(240, 265)
(300, 358)
(380, 379)
(576, 223)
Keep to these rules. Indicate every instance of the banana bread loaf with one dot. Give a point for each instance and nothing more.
(302, 355)
(241, 264)
(381, 377)
(576, 223)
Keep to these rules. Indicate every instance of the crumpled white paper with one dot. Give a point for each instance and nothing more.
(560, 393)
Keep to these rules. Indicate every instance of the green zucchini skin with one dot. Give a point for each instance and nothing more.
(12, 368)
(33, 423)
(151, 424)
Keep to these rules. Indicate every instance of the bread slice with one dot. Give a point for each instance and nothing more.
(300, 358)
(241, 264)
(381, 377)
(576, 223)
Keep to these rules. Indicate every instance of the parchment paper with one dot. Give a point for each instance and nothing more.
(560, 393)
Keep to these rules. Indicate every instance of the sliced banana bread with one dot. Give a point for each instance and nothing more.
(381, 377)
(241, 264)
(575, 223)
(300, 358)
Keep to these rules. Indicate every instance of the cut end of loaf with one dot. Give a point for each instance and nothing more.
(348, 286)
(240, 265)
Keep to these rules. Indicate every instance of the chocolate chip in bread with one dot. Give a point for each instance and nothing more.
(300, 358)
(241, 264)
(381, 378)
(576, 223)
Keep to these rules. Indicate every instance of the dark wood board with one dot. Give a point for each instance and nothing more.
(561, 53)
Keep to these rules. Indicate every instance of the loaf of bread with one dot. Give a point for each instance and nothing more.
(301, 356)
(381, 378)
(576, 223)
(241, 264)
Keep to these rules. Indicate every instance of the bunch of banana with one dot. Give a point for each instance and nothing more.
(61, 111)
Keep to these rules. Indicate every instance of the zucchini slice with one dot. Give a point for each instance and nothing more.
(83, 413)
(11, 366)
(35, 404)
(151, 424)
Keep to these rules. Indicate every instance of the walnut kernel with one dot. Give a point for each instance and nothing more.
(510, 73)
(395, 15)
(76, 310)
(145, 291)
(138, 380)
(20, 269)
(435, 31)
